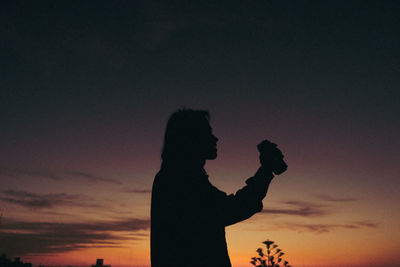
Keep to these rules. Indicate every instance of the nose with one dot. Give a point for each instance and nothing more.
(215, 138)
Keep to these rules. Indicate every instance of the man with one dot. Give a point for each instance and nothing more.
(189, 214)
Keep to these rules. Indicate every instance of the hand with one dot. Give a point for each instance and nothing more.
(271, 158)
(267, 158)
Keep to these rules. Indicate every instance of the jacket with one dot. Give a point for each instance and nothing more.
(189, 216)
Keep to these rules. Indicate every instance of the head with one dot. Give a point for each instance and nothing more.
(189, 136)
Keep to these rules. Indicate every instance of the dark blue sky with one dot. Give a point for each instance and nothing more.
(122, 55)
(121, 67)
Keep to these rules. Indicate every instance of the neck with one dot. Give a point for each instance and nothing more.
(185, 163)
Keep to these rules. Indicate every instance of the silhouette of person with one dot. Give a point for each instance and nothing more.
(189, 214)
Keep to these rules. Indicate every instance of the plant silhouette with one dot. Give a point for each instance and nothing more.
(272, 258)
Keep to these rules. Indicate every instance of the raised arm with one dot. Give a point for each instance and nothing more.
(246, 202)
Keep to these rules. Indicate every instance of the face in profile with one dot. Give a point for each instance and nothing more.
(207, 143)
(189, 137)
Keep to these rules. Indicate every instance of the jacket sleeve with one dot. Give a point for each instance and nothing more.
(247, 201)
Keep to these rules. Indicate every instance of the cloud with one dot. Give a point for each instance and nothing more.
(138, 191)
(367, 224)
(40, 201)
(54, 175)
(43, 238)
(329, 198)
(322, 228)
(297, 208)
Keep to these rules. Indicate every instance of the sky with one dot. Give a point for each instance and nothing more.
(87, 88)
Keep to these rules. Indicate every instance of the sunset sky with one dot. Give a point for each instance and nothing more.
(86, 89)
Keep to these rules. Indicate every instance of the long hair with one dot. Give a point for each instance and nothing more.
(182, 129)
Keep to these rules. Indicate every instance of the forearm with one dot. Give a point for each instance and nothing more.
(248, 200)
(259, 183)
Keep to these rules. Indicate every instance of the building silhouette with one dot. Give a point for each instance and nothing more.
(99, 263)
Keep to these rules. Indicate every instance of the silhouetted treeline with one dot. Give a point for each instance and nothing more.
(6, 262)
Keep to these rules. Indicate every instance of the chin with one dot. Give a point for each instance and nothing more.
(212, 155)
